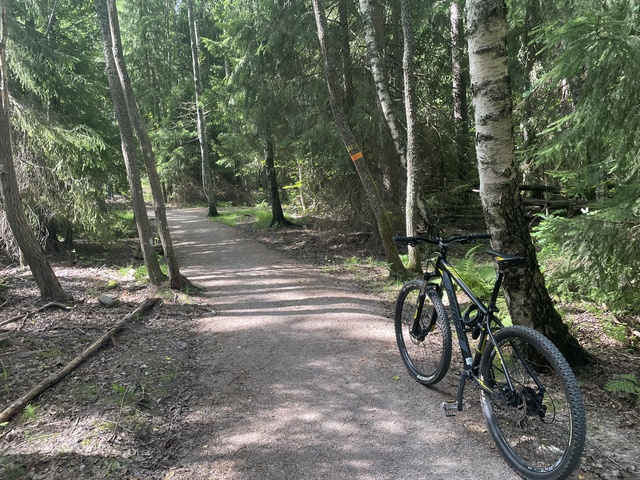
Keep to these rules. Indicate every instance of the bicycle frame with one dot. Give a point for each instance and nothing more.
(449, 279)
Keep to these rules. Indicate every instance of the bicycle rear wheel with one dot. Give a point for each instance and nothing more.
(538, 422)
(424, 342)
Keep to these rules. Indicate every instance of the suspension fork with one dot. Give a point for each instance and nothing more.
(416, 328)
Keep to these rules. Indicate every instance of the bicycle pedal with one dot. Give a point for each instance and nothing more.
(450, 408)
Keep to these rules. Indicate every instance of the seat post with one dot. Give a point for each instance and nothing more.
(496, 290)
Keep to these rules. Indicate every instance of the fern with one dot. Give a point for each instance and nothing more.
(478, 275)
(626, 383)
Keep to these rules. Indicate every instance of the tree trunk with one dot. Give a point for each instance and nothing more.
(380, 78)
(525, 292)
(384, 98)
(411, 151)
(277, 215)
(337, 107)
(345, 55)
(459, 86)
(156, 277)
(30, 249)
(176, 280)
(529, 54)
(207, 177)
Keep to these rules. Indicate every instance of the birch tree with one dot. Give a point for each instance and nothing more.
(207, 178)
(355, 152)
(406, 146)
(43, 274)
(525, 291)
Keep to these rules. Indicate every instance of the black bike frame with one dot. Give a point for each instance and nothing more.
(471, 362)
(450, 278)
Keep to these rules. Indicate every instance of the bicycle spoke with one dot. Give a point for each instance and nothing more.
(535, 427)
(425, 342)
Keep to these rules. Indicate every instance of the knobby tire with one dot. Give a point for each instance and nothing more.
(427, 358)
(541, 435)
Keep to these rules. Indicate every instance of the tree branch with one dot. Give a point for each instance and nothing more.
(53, 379)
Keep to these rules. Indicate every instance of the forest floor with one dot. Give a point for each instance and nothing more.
(284, 367)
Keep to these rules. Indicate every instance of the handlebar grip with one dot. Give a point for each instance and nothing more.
(405, 240)
(478, 236)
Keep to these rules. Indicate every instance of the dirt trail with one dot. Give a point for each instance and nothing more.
(299, 377)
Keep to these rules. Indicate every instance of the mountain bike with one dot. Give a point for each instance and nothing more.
(528, 392)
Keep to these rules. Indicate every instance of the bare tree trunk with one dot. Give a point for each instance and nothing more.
(411, 151)
(30, 249)
(384, 98)
(413, 203)
(527, 297)
(277, 215)
(337, 107)
(176, 280)
(207, 178)
(459, 86)
(145, 233)
(345, 55)
(380, 79)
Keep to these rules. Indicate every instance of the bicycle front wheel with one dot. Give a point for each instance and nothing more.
(423, 332)
(535, 412)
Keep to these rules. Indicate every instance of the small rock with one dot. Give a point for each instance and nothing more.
(108, 302)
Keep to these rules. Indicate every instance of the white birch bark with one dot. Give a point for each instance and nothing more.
(346, 133)
(393, 124)
(524, 287)
(382, 90)
(207, 178)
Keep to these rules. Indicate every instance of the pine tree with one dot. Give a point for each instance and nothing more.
(43, 274)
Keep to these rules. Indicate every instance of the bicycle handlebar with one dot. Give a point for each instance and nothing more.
(442, 241)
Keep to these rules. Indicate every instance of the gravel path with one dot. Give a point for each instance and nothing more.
(302, 378)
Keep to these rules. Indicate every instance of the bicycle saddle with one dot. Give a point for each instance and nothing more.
(503, 260)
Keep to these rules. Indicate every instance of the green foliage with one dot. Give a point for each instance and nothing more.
(625, 383)
(589, 146)
(12, 469)
(259, 216)
(478, 273)
(63, 131)
(123, 224)
(594, 255)
(29, 412)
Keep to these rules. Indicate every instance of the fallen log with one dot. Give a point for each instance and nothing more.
(53, 379)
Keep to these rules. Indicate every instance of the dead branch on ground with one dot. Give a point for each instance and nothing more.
(33, 312)
(53, 379)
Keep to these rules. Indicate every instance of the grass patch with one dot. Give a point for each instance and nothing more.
(124, 224)
(45, 354)
(29, 412)
(259, 215)
(139, 273)
(13, 469)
